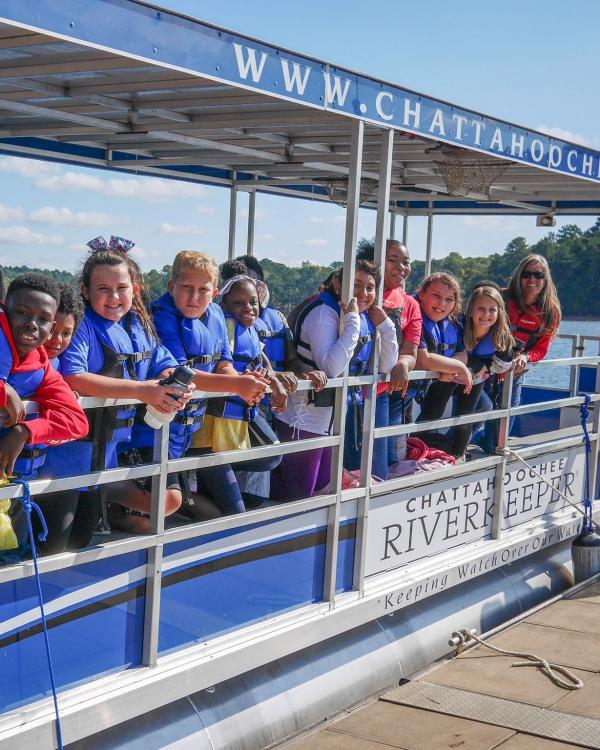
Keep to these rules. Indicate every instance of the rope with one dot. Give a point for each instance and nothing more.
(552, 671)
(588, 519)
(587, 502)
(29, 505)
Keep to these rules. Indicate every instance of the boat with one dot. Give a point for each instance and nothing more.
(242, 631)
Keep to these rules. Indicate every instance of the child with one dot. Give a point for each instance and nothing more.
(26, 322)
(394, 397)
(275, 335)
(231, 422)
(66, 322)
(60, 508)
(440, 300)
(320, 345)
(115, 354)
(193, 329)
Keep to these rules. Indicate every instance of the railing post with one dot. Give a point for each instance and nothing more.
(500, 471)
(340, 407)
(366, 456)
(155, 553)
(251, 218)
(428, 249)
(595, 436)
(574, 370)
(232, 218)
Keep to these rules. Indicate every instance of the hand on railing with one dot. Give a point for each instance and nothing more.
(14, 408)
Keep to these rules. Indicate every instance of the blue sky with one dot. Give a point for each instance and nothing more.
(534, 63)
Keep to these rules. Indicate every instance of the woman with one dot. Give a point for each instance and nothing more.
(534, 315)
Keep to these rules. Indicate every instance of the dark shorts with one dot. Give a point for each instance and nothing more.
(140, 456)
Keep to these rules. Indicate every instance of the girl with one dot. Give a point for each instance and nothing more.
(394, 397)
(320, 345)
(66, 322)
(115, 354)
(231, 423)
(440, 300)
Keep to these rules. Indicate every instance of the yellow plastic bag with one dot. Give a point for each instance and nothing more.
(8, 539)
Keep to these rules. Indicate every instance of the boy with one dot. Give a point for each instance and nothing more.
(193, 329)
(26, 322)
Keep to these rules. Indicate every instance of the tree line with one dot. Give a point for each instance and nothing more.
(572, 253)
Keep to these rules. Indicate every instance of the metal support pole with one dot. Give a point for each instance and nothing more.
(232, 220)
(429, 237)
(366, 457)
(405, 227)
(392, 221)
(595, 436)
(500, 471)
(251, 216)
(155, 553)
(339, 410)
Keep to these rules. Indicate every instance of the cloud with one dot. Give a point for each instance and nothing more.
(54, 177)
(180, 228)
(266, 237)
(337, 219)
(205, 210)
(19, 235)
(27, 167)
(8, 213)
(65, 217)
(257, 214)
(316, 242)
(150, 189)
(568, 135)
(492, 223)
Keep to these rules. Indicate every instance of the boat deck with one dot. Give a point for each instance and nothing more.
(479, 701)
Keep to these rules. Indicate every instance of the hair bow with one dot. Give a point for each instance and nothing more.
(261, 288)
(115, 243)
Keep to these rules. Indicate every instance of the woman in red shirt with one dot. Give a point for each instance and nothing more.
(534, 315)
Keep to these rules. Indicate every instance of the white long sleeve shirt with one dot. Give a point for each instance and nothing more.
(332, 351)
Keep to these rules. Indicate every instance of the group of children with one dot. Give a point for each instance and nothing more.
(108, 343)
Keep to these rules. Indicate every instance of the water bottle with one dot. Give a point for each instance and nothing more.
(181, 378)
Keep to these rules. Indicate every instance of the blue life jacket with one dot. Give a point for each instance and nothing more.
(442, 337)
(25, 383)
(360, 357)
(202, 340)
(126, 354)
(484, 350)
(247, 355)
(274, 337)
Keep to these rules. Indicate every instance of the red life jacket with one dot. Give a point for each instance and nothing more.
(526, 326)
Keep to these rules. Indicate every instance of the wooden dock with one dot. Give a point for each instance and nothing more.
(478, 701)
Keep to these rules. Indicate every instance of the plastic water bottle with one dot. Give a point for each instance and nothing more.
(181, 378)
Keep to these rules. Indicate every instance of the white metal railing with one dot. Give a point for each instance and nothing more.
(331, 502)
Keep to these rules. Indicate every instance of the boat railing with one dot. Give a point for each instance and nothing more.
(331, 501)
(578, 347)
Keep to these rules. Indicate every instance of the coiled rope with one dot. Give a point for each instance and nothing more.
(29, 505)
(552, 671)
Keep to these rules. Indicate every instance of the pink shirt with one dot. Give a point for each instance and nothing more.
(410, 320)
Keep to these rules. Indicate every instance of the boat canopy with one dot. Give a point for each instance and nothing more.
(121, 84)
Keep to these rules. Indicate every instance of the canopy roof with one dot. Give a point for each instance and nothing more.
(121, 84)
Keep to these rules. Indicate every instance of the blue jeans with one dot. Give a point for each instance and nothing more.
(489, 439)
(388, 411)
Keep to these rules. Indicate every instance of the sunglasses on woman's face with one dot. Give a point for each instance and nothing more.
(533, 275)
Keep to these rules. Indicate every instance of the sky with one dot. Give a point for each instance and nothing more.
(534, 63)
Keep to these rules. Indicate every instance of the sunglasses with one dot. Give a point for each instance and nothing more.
(533, 275)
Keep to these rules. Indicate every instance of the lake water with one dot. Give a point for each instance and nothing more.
(559, 376)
